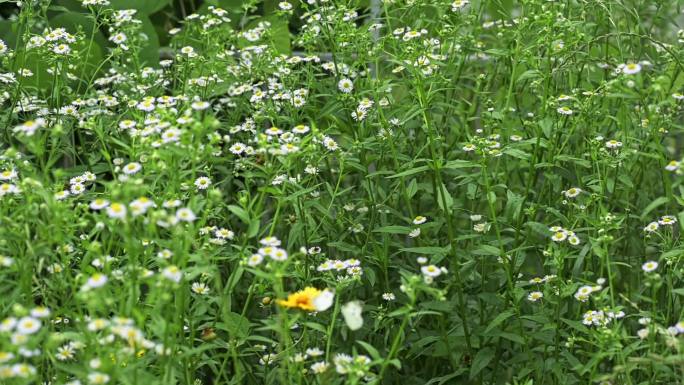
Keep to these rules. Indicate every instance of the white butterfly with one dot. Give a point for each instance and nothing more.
(324, 300)
(352, 314)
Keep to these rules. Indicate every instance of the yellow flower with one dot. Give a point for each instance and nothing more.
(303, 299)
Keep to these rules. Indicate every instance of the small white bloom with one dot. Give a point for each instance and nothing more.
(431, 271)
(564, 110)
(172, 273)
(345, 85)
(116, 210)
(28, 325)
(202, 183)
(649, 266)
(255, 259)
(185, 214)
(95, 281)
(132, 168)
(535, 296)
(630, 68)
(419, 220)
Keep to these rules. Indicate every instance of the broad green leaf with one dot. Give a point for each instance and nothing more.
(408, 172)
(499, 320)
(149, 54)
(516, 153)
(236, 325)
(529, 74)
(426, 250)
(279, 33)
(370, 349)
(482, 359)
(444, 199)
(393, 230)
(487, 250)
(653, 205)
(458, 163)
(240, 213)
(143, 6)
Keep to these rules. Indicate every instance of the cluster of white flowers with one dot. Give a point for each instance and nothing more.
(601, 317)
(584, 292)
(665, 220)
(77, 185)
(560, 234)
(352, 267)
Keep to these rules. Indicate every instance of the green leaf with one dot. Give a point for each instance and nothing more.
(279, 33)
(529, 74)
(408, 172)
(458, 163)
(393, 230)
(240, 213)
(445, 201)
(371, 350)
(491, 197)
(538, 228)
(512, 337)
(253, 230)
(315, 326)
(653, 205)
(235, 7)
(149, 54)
(498, 320)
(412, 188)
(8, 32)
(70, 5)
(513, 205)
(147, 7)
(487, 250)
(482, 359)
(498, 52)
(546, 126)
(235, 324)
(514, 152)
(73, 22)
(575, 325)
(426, 250)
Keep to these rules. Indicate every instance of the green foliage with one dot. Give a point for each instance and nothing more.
(341, 192)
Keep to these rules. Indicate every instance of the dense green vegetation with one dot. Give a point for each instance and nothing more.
(341, 192)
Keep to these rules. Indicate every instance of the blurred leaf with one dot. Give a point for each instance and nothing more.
(408, 172)
(487, 250)
(149, 54)
(393, 230)
(444, 199)
(426, 250)
(240, 213)
(482, 359)
(143, 6)
(459, 163)
(279, 33)
(371, 350)
(654, 205)
(74, 22)
(498, 320)
(236, 325)
(73, 5)
(8, 32)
